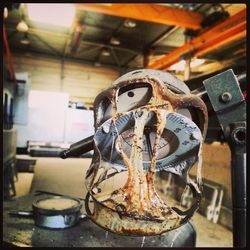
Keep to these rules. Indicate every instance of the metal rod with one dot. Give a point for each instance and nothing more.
(79, 148)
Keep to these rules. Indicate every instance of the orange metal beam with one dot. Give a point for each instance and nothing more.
(229, 37)
(218, 33)
(149, 13)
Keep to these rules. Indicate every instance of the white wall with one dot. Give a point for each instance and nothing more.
(82, 82)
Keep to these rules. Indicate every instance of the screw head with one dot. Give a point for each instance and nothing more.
(239, 135)
(226, 97)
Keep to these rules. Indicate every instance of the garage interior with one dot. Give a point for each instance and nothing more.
(58, 57)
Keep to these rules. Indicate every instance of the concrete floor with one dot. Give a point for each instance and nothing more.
(208, 233)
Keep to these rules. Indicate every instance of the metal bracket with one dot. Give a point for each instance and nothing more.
(226, 98)
(228, 102)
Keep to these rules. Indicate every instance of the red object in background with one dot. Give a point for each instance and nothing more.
(8, 55)
(244, 94)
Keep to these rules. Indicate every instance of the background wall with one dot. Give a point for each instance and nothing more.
(216, 167)
(82, 82)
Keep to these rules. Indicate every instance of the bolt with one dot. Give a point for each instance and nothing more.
(226, 97)
(239, 135)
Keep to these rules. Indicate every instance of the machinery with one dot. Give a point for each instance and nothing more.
(131, 131)
(138, 130)
(229, 104)
(145, 123)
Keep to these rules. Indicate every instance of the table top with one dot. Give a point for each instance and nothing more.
(23, 232)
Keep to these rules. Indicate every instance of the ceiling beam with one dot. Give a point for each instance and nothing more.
(86, 42)
(148, 12)
(219, 34)
(236, 33)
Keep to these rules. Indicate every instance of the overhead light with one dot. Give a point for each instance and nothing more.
(115, 41)
(5, 13)
(180, 66)
(105, 52)
(129, 23)
(55, 14)
(25, 40)
(22, 26)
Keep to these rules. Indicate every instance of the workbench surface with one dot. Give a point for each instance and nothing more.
(23, 232)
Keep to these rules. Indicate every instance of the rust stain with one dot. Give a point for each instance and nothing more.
(136, 208)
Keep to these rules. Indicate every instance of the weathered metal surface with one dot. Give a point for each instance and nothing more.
(226, 98)
(136, 208)
(228, 102)
(23, 232)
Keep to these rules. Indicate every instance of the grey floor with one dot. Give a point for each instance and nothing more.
(208, 233)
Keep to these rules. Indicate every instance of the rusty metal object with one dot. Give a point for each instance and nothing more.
(135, 208)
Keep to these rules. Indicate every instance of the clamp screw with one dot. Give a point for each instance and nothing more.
(226, 97)
(239, 135)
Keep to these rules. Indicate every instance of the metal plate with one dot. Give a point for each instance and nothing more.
(186, 131)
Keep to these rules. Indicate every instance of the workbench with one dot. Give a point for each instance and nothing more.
(19, 231)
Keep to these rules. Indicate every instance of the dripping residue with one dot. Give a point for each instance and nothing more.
(138, 197)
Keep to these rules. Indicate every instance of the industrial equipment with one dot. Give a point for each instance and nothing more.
(138, 130)
(225, 96)
(229, 104)
(147, 116)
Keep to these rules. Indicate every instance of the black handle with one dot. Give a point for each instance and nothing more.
(78, 148)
